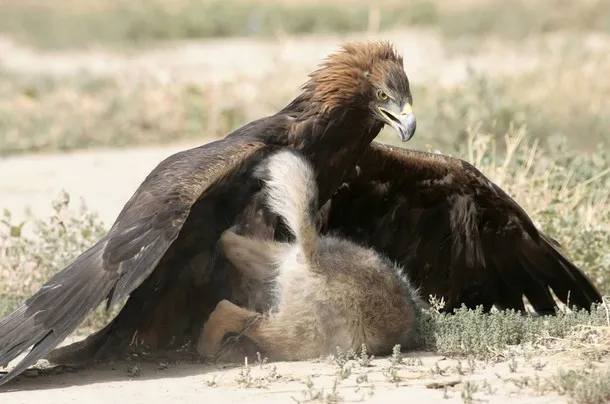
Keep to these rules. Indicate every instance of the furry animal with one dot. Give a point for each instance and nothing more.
(325, 291)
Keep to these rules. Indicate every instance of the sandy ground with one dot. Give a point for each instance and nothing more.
(421, 376)
(105, 179)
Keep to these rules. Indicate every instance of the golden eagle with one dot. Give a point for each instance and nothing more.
(459, 235)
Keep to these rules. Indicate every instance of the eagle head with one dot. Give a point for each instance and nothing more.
(368, 77)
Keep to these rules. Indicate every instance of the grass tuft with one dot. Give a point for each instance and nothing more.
(493, 336)
(584, 386)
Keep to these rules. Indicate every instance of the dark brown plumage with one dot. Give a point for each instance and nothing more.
(160, 252)
(459, 236)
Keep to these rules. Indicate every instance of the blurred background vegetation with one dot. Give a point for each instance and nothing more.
(70, 23)
(563, 98)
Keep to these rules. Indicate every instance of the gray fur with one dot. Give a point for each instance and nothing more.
(325, 291)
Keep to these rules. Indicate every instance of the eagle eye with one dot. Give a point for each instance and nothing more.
(381, 95)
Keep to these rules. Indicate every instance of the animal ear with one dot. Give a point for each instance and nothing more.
(255, 259)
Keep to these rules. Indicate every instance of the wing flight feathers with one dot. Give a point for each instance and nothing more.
(459, 235)
(118, 263)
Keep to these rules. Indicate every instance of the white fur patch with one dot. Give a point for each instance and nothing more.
(289, 186)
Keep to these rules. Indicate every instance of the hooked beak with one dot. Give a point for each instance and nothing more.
(404, 123)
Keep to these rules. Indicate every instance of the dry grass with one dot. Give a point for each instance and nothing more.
(41, 114)
(120, 22)
(563, 103)
(566, 195)
(126, 23)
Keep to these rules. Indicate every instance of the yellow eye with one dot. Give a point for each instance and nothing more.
(381, 95)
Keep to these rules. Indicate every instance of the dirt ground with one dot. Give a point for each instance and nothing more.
(105, 179)
(193, 382)
(422, 376)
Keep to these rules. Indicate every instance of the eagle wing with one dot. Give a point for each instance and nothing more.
(458, 235)
(121, 260)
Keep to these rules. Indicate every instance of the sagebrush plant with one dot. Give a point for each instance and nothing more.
(489, 336)
(31, 251)
(585, 386)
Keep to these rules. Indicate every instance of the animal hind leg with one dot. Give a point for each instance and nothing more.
(226, 318)
(230, 318)
(255, 259)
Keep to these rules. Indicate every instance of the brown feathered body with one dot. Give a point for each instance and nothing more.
(161, 252)
(320, 292)
(460, 236)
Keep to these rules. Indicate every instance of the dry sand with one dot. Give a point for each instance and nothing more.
(417, 378)
(104, 179)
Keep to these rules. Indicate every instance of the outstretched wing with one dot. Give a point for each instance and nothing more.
(458, 235)
(118, 263)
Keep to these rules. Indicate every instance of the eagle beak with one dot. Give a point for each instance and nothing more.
(404, 123)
